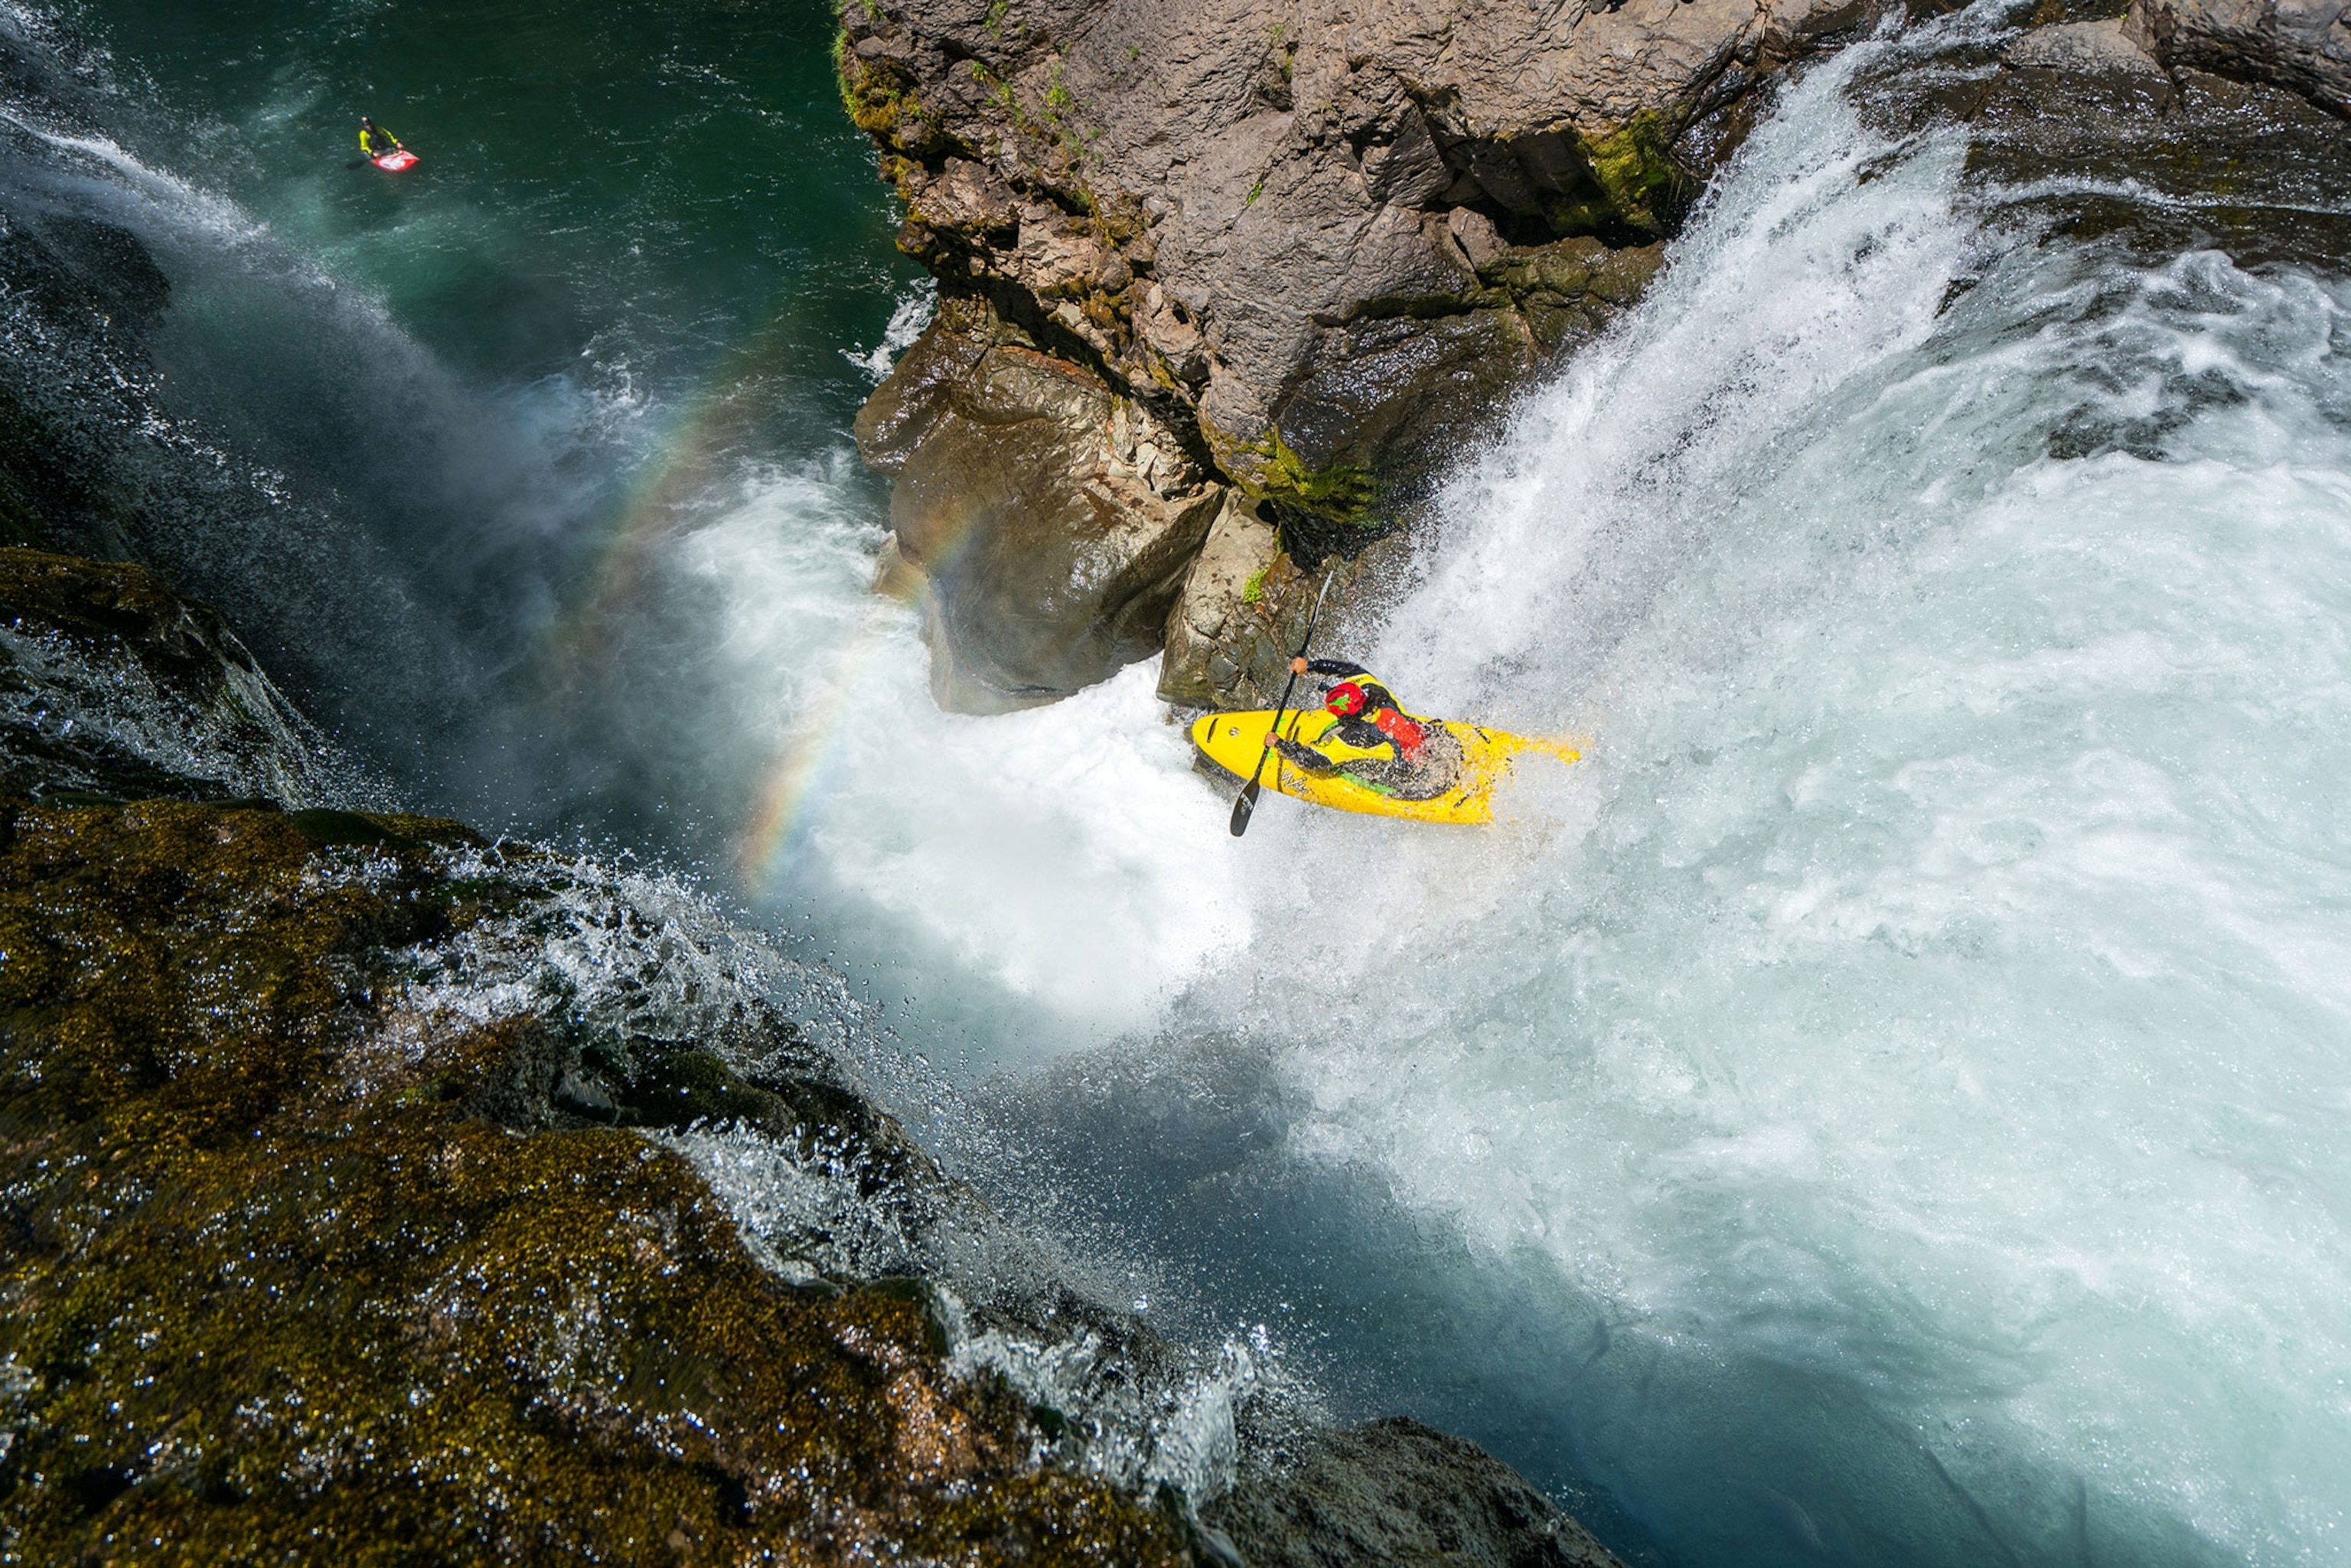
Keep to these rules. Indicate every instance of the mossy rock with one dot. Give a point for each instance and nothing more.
(1267, 468)
(280, 1283)
(878, 95)
(1648, 186)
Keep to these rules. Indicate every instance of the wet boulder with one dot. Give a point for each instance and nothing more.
(2294, 44)
(2097, 138)
(1395, 1491)
(1222, 632)
(112, 684)
(1244, 611)
(1051, 519)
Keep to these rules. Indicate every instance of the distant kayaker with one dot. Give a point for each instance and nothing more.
(375, 140)
(1386, 749)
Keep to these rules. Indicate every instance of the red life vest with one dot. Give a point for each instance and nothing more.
(1400, 729)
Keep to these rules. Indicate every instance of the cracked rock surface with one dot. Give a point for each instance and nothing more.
(1307, 247)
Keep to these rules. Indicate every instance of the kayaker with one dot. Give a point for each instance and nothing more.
(1388, 750)
(375, 140)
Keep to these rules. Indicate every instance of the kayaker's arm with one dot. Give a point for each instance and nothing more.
(1303, 755)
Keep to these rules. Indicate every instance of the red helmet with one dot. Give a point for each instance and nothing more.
(1346, 699)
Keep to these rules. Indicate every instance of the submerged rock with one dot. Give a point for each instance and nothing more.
(2077, 130)
(1314, 246)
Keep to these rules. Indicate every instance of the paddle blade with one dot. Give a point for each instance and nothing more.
(1244, 805)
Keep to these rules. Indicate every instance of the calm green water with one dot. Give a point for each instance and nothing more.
(673, 184)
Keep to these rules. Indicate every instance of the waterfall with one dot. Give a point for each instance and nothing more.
(1917, 1036)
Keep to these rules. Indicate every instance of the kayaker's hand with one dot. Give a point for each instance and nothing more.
(1297, 666)
(1272, 741)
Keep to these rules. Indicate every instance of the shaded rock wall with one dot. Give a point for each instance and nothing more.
(1398, 1491)
(80, 291)
(111, 685)
(1317, 244)
(1052, 519)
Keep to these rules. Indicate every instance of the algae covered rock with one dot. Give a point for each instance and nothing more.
(306, 1262)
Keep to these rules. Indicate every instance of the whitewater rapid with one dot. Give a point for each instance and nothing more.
(1940, 974)
(1936, 982)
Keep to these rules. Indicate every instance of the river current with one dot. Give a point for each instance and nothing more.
(1890, 1103)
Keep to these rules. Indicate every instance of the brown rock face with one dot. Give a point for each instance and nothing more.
(1308, 243)
(1243, 611)
(1054, 518)
(1224, 612)
(2302, 44)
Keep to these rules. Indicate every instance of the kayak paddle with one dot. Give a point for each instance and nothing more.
(1245, 803)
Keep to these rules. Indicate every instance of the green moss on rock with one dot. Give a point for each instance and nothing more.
(277, 1285)
(1269, 469)
(878, 95)
(1635, 166)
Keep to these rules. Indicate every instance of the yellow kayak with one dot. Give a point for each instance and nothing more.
(1231, 744)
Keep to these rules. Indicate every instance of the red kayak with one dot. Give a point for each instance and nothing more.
(396, 160)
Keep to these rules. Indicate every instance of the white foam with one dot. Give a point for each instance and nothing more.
(915, 311)
(1063, 857)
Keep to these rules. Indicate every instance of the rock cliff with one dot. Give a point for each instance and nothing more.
(1280, 258)
(1274, 262)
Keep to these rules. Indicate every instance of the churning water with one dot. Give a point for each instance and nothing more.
(1939, 977)
(1891, 1103)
